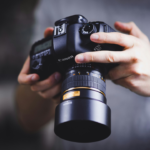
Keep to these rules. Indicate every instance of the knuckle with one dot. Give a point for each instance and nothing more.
(132, 83)
(43, 95)
(105, 37)
(110, 58)
(91, 57)
(33, 88)
(136, 57)
(120, 38)
(138, 71)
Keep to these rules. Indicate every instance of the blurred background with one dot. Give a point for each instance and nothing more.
(22, 23)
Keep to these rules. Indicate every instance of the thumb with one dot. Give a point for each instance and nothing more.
(24, 76)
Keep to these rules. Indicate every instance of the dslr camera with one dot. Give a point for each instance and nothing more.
(82, 115)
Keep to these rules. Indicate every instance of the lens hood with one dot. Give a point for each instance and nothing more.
(82, 120)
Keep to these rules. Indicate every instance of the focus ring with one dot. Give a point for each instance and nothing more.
(83, 81)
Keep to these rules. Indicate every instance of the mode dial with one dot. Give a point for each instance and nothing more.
(88, 28)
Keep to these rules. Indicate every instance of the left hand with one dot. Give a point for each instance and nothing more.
(133, 71)
(49, 88)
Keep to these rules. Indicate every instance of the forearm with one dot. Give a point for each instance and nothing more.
(36, 100)
(33, 110)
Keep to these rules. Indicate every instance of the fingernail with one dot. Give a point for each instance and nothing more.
(33, 78)
(80, 58)
(94, 37)
(57, 76)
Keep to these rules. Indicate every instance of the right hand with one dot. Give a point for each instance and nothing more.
(49, 88)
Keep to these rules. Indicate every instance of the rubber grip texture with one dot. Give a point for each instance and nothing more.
(83, 81)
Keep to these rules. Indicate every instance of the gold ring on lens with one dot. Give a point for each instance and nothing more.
(89, 88)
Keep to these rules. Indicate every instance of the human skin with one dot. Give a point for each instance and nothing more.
(134, 61)
(36, 100)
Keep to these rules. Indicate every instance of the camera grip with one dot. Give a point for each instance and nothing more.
(44, 67)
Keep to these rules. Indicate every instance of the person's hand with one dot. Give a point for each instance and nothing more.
(48, 88)
(133, 71)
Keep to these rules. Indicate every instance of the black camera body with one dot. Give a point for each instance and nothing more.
(82, 115)
(71, 37)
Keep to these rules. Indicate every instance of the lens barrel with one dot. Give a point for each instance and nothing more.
(82, 115)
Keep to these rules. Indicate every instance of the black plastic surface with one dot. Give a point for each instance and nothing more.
(66, 46)
(82, 120)
(84, 81)
(72, 19)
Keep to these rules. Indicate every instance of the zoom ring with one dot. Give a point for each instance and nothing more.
(83, 81)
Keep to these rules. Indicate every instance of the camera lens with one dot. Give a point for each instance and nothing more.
(84, 79)
(82, 115)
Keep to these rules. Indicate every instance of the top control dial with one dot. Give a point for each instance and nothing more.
(88, 28)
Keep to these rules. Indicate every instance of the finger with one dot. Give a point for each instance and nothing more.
(28, 79)
(121, 71)
(48, 31)
(26, 66)
(47, 83)
(131, 29)
(106, 57)
(123, 82)
(23, 77)
(129, 82)
(134, 83)
(121, 39)
(56, 99)
(52, 92)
